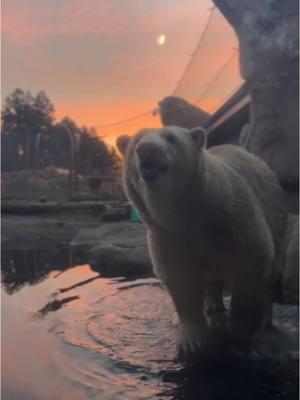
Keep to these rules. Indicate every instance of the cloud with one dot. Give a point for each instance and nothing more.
(28, 21)
(99, 62)
(32, 20)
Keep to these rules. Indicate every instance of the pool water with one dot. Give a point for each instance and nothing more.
(68, 333)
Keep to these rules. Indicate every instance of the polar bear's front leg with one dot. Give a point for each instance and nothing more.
(186, 283)
(247, 309)
(188, 297)
(191, 339)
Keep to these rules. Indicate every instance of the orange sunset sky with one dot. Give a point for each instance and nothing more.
(99, 61)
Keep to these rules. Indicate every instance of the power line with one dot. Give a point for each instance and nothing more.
(227, 62)
(124, 120)
(135, 117)
(212, 10)
(225, 98)
(221, 70)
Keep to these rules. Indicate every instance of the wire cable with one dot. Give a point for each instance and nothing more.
(124, 120)
(208, 86)
(225, 98)
(205, 29)
(222, 69)
(135, 117)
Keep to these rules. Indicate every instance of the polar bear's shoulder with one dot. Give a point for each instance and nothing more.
(240, 160)
(231, 152)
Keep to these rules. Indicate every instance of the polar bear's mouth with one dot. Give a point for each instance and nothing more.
(151, 171)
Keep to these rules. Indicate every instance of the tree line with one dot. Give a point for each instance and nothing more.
(32, 139)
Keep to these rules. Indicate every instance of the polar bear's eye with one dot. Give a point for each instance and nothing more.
(170, 138)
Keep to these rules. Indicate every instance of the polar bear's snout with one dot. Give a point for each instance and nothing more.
(147, 151)
(151, 161)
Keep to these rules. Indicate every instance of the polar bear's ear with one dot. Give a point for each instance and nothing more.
(122, 143)
(199, 136)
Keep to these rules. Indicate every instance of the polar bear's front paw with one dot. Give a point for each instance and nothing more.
(190, 341)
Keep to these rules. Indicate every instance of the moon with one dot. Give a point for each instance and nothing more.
(161, 40)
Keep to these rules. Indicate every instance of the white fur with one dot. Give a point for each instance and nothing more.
(216, 216)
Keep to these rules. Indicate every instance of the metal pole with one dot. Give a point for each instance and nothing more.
(37, 150)
(71, 160)
(77, 139)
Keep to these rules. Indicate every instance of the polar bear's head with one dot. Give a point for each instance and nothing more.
(159, 164)
(160, 155)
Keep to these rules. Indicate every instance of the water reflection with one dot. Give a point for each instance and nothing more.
(112, 339)
(31, 266)
(83, 317)
(56, 305)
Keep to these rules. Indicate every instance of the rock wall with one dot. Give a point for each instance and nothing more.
(268, 35)
(290, 276)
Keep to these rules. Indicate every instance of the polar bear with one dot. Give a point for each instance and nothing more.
(215, 218)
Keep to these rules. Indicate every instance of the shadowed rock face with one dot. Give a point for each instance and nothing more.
(177, 111)
(291, 261)
(269, 58)
(116, 249)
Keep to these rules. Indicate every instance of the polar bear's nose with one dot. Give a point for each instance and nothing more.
(147, 151)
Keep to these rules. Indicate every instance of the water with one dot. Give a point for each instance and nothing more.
(68, 333)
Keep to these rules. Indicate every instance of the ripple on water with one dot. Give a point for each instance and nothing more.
(134, 327)
(120, 342)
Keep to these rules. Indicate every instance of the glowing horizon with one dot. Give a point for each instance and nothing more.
(104, 62)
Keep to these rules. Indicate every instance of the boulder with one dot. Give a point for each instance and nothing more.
(116, 249)
(113, 260)
(177, 111)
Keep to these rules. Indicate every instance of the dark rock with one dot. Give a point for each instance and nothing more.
(291, 262)
(116, 249)
(268, 34)
(113, 260)
(60, 224)
(119, 233)
(116, 214)
(177, 111)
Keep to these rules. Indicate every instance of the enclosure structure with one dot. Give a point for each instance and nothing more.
(268, 36)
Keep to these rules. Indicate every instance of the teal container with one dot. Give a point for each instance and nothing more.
(134, 216)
